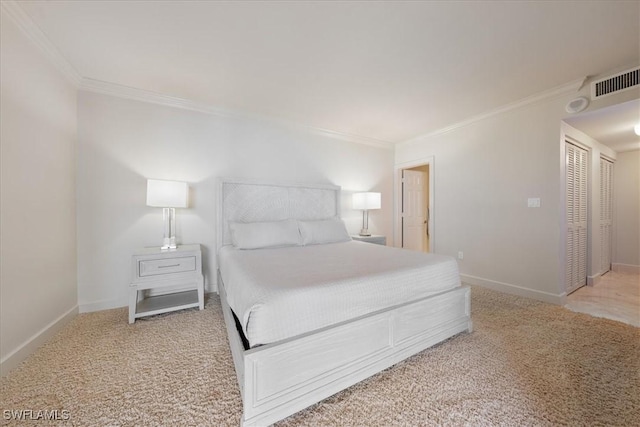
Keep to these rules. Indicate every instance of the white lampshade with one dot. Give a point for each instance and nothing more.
(366, 201)
(167, 194)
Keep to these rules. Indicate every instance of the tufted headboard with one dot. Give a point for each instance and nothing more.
(252, 201)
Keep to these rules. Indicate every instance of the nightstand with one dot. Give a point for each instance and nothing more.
(157, 269)
(374, 238)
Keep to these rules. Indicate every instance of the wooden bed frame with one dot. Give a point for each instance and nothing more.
(279, 379)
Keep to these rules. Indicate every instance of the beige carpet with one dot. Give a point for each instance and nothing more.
(526, 363)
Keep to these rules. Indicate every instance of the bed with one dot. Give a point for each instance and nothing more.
(309, 318)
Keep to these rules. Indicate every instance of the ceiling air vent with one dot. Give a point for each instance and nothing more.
(616, 83)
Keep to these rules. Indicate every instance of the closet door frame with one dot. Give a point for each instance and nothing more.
(595, 151)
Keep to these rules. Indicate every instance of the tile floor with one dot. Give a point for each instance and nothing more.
(616, 297)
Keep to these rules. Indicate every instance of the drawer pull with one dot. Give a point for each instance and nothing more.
(169, 266)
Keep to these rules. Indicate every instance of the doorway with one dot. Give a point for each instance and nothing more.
(587, 174)
(414, 206)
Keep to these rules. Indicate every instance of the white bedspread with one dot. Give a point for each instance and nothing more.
(283, 292)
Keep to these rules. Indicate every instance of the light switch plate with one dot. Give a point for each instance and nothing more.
(533, 202)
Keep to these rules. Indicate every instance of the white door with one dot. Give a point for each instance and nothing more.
(414, 210)
(576, 193)
(606, 213)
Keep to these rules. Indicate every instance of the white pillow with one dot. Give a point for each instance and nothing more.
(323, 231)
(256, 235)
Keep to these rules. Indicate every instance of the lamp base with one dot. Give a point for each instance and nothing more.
(365, 224)
(169, 219)
(168, 244)
(365, 232)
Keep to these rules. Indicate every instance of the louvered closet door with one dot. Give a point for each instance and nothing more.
(606, 213)
(576, 191)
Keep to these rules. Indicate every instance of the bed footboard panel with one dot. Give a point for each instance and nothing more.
(283, 378)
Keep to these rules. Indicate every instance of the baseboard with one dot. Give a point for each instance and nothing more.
(212, 288)
(14, 358)
(594, 280)
(102, 305)
(625, 268)
(508, 288)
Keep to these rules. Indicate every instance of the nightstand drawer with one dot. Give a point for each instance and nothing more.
(156, 267)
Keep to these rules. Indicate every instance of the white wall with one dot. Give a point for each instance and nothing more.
(123, 142)
(485, 171)
(626, 189)
(37, 222)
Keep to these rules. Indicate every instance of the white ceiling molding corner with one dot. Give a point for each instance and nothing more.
(32, 31)
(120, 91)
(571, 87)
(353, 138)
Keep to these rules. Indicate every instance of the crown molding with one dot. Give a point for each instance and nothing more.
(352, 138)
(135, 94)
(571, 87)
(15, 12)
(126, 92)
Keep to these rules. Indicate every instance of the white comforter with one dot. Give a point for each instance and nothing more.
(284, 292)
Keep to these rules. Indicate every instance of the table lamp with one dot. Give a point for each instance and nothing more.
(366, 201)
(167, 195)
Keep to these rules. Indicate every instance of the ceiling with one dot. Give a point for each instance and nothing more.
(387, 71)
(612, 126)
